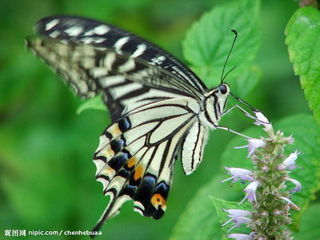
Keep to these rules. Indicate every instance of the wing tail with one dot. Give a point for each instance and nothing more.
(112, 209)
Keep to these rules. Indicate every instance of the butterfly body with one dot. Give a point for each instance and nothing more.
(160, 109)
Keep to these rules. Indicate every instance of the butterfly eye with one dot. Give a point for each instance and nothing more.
(223, 88)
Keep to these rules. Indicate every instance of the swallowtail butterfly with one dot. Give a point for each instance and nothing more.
(160, 109)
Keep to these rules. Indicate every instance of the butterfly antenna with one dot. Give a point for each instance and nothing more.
(225, 63)
(228, 73)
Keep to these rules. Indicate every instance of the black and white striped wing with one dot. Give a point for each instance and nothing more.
(105, 37)
(136, 156)
(125, 83)
(153, 100)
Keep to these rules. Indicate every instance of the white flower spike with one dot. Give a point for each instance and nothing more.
(270, 205)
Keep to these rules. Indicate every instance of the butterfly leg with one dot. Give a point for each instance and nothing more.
(241, 109)
(244, 112)
(232, 131)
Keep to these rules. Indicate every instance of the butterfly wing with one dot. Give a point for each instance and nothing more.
(124, 83)
(153, 100)
(104, 36)
(135, 157)
(193, 146)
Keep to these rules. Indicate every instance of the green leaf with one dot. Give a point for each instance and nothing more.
(306, 135)
(247, 81)
(92, 103)
(309, 225)
(209, 40)
(303, 40)
(200, 221)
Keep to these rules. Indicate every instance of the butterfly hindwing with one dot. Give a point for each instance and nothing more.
(135, 157)
(193, 146)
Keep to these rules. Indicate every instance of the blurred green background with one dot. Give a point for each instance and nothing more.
(46, 172)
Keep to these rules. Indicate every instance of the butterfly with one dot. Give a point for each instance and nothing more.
(160, 109)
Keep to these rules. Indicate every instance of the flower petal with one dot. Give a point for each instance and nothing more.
(254, 143)
(296, 183)
(237, 213)
(290, 162)
(251, 191)
(262, 120)
(240, 236)
(290, 203)
(239, 174)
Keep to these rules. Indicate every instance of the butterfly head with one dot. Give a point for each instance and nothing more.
(221, 97)
(215, 103)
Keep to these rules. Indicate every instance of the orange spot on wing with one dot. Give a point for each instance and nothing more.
(138, 172)
(132, 161)
(157, 200)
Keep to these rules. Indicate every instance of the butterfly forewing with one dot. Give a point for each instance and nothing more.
(102, 35)
(90, 70)
(154, 101)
